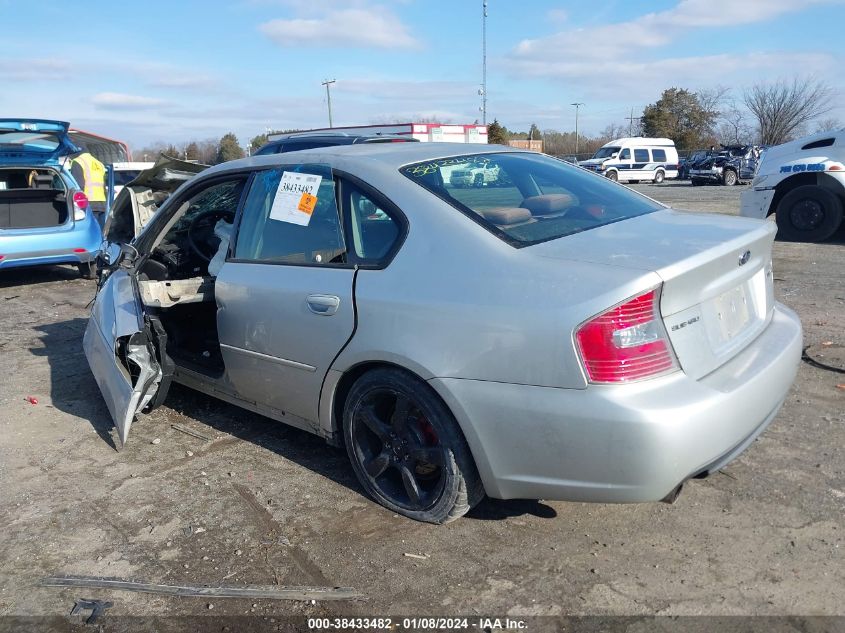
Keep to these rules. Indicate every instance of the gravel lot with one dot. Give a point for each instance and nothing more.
(264, 504)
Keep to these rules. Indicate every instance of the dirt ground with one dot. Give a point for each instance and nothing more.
(264, 504)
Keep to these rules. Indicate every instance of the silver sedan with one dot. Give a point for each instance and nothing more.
(549, 334)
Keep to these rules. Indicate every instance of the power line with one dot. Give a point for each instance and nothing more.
(631, 120)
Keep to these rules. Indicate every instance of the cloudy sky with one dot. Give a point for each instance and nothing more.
(194, 69)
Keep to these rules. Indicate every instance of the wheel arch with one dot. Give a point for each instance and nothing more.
(799, 180)
(337, 387)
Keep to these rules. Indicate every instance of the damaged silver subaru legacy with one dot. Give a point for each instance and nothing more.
(549, 334)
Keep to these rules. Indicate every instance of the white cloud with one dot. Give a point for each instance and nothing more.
(654, 30)
(34, 69)
(635, 80)
(121, 101)
(364, 27)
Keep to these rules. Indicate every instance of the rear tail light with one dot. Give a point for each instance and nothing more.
(627, 342)
(80, 203)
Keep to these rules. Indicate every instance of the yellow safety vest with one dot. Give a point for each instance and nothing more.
(95, 177)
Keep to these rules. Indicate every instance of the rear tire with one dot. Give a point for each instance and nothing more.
(729, 178)
(659, 177)
(407, 449)
(696, 182)
(808, 214)
(86, 270)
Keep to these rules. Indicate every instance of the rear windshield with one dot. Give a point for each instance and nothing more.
(527, 198)
(45, 142)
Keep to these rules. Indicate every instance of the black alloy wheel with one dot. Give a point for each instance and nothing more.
(406, 449)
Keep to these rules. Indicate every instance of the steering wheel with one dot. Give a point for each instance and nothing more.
(206, 220)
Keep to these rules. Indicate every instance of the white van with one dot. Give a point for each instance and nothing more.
(635, 159)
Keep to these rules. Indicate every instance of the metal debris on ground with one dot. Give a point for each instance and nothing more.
(257, 591)
(97, 607)
(192, 433)
(827, 355)
(420, 556)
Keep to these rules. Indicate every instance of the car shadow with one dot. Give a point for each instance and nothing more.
(497, 509)
(72, 386)
(11, 277)
(74, 391)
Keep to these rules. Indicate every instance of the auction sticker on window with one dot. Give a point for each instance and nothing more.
(295, 198)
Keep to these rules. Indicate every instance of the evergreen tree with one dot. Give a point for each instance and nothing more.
(229, 148)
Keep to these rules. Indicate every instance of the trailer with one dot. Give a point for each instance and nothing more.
(431, 132)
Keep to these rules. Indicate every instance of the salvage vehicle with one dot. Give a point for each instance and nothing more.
(685, 164)
(561, 337)
(635, 159)
(734, 164)
(44, 215)
(803, 184)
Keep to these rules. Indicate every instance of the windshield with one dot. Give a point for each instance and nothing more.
(46, 142)
(527, 198)
(125, 176)
(606, 152)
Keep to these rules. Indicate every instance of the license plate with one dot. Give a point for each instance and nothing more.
(733, 312)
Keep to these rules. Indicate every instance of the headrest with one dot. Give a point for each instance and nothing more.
(43, 181)
(548, 204)
(506, 215)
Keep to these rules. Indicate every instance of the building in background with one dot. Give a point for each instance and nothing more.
(434, 132)
(534, 145)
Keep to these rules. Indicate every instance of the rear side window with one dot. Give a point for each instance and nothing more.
(528, 198)
(641, 156)
(659, 155)
(290, 216)
(374, 230)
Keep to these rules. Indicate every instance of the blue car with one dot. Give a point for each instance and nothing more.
(44, 216)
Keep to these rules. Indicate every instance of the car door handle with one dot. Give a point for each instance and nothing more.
(324, 305)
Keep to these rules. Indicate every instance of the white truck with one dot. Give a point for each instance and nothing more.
(803, 183)
(477, 174)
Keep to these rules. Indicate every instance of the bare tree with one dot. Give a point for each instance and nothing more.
(734, 128)
(827, 125)
(613, 131)
(782, 107)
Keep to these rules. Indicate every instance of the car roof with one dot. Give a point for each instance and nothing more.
(390, 154)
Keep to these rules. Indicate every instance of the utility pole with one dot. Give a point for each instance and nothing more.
(631, 120)
(328, 83)
(577, 105)
(484, 62)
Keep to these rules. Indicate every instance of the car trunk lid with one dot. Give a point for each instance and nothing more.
(717, 278)
(34, 142)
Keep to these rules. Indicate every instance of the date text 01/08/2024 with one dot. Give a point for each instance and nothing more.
(417, 624)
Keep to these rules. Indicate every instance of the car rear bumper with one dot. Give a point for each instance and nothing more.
(629, 443)
(755, 203)
(63, 245)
